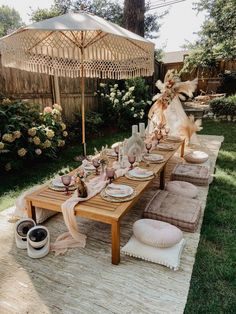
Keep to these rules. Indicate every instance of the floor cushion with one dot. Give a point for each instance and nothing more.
(169, 257)
(182, 188)
(177, 210)
(196, 157)
(195, 174)
(156, 233)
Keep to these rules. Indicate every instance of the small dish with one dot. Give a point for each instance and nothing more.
(140, 173)
(119, 190)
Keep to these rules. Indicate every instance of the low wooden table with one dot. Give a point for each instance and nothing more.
(98, 209)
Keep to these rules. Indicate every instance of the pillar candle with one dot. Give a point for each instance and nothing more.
(134, 129)
(142, 129)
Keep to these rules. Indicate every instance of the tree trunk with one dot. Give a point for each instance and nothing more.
(134, 16)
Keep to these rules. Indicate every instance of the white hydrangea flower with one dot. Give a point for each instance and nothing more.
(116, 86)
(131, 89)
(149, 102)
(102, 84)
(135, 115)
(112, 95)
(116, 101)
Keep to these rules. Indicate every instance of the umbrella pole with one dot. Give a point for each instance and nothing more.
(82, 102)
(83, 113)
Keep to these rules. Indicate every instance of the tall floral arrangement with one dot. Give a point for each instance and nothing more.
(28, 134)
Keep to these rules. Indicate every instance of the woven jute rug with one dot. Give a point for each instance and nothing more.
(84, 280)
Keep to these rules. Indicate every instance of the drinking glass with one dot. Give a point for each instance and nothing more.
(148, 147)
(96, 164)
(131, 159)
(116, 149)
(159, 137)
(110, 173)
(66, 180)
(167, 130)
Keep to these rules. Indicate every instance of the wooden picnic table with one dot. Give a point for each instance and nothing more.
(99, 209)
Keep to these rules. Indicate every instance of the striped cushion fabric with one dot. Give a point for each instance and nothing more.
(177, 210)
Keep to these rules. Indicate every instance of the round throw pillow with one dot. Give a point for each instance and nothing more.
(182, 188)
(157, 233)
(196, 157)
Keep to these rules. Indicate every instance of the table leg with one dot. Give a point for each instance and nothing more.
(31, 211)
(162, 178)
(182, 149)
(115, 234)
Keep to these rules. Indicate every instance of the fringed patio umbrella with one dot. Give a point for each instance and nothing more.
(78, 45)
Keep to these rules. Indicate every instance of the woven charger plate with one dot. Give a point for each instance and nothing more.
(154, 162)
(138, 179)
(117, 199)
(54, 188)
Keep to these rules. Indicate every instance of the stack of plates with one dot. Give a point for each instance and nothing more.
(165, 146)
(140, 174)
(118, 193)
(153, 158)
(57, 185)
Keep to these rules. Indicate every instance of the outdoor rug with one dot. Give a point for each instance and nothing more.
(84, 280)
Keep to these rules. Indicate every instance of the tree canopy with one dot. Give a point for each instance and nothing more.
(111, 10)
(9, 20)
(217, 38)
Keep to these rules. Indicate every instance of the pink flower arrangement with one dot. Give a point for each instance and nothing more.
(47, 110)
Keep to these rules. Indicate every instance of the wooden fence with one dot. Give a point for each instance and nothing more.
(40, 88)
(208, 80)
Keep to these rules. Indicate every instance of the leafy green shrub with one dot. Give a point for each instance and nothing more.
(93, 125)
(27, 134)
(125, 103)
(225, 106)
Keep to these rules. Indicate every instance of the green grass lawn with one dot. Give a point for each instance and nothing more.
(213, 282)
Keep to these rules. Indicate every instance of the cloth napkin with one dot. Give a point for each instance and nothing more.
(73, 238)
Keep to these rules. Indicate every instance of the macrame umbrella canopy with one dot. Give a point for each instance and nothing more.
(73, 43)
(78, 45)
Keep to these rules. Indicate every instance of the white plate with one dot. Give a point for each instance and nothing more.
(165, 146)
(58, 183)
(140, 173)
(89, 168)
(119, 190)
(153, 157)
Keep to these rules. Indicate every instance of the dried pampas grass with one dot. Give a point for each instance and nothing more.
(190, 126)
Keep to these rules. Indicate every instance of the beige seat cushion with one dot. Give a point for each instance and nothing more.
(182, 188)
(177, 210)
(195, 174)
(156, 233)
(196, 157)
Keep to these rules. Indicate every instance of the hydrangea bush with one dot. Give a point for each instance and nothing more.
(28, 134)
(125, 106)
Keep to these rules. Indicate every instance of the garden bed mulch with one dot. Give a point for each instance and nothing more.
(84, 280)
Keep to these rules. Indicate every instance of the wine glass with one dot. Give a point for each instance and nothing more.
(131, 159)
(159, 137)
(167, 130)
(66, 180)
(96, 164)
(110, 173)
(116, 149)
(148, 147)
